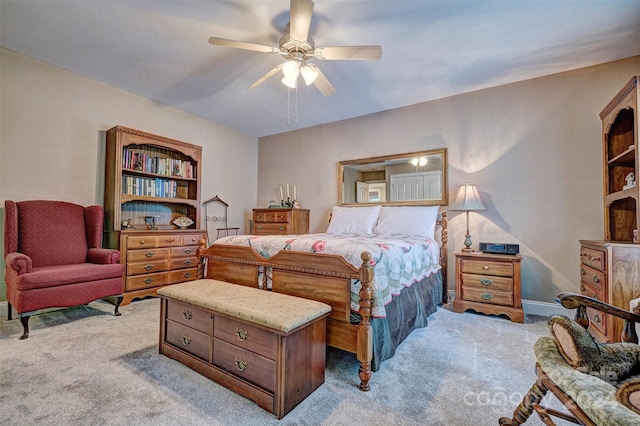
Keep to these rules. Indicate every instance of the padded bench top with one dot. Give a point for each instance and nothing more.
(273, 310)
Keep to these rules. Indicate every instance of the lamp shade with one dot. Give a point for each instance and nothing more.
(468, 199)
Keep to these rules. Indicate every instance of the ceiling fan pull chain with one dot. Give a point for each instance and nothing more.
(288, 108)
(296, 113)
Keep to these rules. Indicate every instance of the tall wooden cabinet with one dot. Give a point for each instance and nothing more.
(610, 269)
(620, 153)
(150, 181)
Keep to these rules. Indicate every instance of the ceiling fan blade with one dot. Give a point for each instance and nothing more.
(242, 45)
(300, 19)
(365, 53)
(322, 82)
(266, 77)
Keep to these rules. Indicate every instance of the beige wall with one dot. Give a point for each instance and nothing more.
(52, 136)
(532, 148)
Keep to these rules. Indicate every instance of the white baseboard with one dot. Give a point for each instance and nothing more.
(546, 309)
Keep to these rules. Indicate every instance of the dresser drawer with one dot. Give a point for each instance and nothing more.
(597, 319)
(593, 258)
(146, 241)
(487, 296)
(183, 251)
(487, 282)
(272, 216)
(169, 240)
(271, 229)
(487, 267)
(140, 282)
(244, 363)
(147, 255)
(182, 275)
(245, 336)
(147, 267)
(593, 277)
(187, 314)
(190, 340)
(184, 262)
(192, 239)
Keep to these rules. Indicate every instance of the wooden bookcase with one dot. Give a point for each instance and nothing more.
(150, 181)
(620, 154)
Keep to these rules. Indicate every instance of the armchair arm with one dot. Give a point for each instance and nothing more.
(103, 256)
(19, 262)
(581, 303)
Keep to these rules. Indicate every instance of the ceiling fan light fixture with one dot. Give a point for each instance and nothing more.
(291, 70)
(309, 73)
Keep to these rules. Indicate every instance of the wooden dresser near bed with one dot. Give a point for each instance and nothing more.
(280, 221)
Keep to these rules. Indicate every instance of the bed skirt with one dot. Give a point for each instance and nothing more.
(405, 313)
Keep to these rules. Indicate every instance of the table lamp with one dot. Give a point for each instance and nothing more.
(468, 199)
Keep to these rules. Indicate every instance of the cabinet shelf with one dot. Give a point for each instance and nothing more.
(627, 157)
(631, 193)
(157, 175)
(126, 198)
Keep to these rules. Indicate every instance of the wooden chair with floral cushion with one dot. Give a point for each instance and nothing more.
(54, 257)
(598, 383)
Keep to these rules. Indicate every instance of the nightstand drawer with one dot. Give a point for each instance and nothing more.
(487, 282)
(487, 296)
(592, 277)
(487, 267)
(273, 216)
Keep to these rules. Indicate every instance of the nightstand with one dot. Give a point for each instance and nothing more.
(489, 283)
(283, 221)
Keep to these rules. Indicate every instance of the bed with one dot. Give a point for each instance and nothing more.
(380, 285)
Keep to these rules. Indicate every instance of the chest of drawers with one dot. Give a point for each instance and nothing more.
(276, 369)
(489, 283)
(154, 259)
(609, 272)
(280, 221)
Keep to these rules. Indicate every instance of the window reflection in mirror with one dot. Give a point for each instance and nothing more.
(415, 178)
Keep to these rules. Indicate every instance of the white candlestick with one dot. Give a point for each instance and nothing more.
(294, 193)
(281, 197)
(287, 190)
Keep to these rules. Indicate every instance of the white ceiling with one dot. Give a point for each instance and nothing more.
(430, 50)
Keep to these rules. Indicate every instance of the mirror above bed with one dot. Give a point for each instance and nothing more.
(414, 178)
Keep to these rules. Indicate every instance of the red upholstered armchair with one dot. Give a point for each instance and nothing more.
(54, 258)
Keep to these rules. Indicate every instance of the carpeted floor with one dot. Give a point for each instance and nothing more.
(84, 366)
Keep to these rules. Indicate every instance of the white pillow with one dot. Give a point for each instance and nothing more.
(418, 221)
(353, 220)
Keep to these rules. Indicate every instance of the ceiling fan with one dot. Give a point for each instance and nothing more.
(297, 48)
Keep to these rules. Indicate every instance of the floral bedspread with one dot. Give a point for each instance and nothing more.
(398, 261)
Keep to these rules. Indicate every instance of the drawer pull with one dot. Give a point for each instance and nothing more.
(486, 282)
(187, 274)
(186, 340)
(187, 263)
(582, 288)
(148, 280)
(596, 318)
(141, 242)
(148, 267)
(281, 228)
(149, 254)
(241, 364)
(242, 334)
(259, 227)
(485, 267)
(582, 272)
(187, 314)
(486, 296)
(596, 279)
(187, 251)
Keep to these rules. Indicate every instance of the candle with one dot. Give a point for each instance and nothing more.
(294, 193)
(281, 197)
(287, 190)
